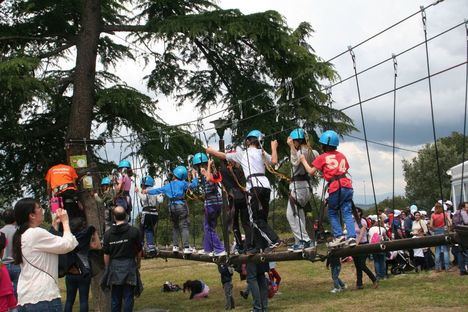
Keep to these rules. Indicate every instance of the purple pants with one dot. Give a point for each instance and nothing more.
(211, 240)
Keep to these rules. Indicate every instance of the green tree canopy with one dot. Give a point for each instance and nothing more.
(422, 183)
(210, 57)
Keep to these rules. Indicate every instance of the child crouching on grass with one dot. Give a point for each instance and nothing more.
(198, 289)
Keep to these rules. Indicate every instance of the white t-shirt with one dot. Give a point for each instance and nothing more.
(41, 249)
(251, 161)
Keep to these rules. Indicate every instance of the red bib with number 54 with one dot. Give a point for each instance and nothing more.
(333, 164)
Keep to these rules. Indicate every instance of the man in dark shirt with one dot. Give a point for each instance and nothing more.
(122, 254)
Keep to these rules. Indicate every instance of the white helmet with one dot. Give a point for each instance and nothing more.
(413, 209)
(449, 203)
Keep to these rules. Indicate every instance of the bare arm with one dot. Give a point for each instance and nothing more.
(106, 260)
(274, 152)
(215, 153)
(307, 167)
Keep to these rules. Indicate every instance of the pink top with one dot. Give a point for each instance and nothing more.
(126, 182)
(358, 231)
(6, 287)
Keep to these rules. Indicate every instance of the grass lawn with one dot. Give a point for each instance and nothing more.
(305, 286)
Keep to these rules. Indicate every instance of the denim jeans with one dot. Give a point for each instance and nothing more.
(444, 249)
(180, 223)
(42, 306)
(335, 273)
(380, 265)
(123, 293)
(76, 283)
(341, 200)
(14, 271)
(258, 285)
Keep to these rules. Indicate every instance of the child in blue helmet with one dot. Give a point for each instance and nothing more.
(106, 197)
(300, 191)
(252, 160)
(149, 215)
(122, 188)
(213, 204)
(175, 191)
(334, 167)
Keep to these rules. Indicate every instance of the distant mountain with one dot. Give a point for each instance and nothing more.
(368, 200)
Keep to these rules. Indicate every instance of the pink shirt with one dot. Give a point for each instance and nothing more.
(126, 182)
(358, 231)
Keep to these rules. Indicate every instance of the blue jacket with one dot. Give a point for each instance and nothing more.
(175, 190)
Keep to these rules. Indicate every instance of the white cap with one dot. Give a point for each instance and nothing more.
(423, 212)
(373, 217)
(448, 202)
(396, 213)
(433, 209)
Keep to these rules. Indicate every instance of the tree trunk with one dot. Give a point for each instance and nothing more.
(81, 114)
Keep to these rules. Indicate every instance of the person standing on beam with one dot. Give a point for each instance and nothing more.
(300, 190)
(334, 167)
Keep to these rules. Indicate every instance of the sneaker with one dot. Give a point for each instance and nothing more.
(188, 250)
(359, 287)
(296, 248)
(244, 294)
(202, 252)
(344, 287)
(151, 252)
(335, 290)
(375, 284)
(462, 273)
(220, 254)
(175, 248)
(337, 241)
(309, 245)
(351, 242)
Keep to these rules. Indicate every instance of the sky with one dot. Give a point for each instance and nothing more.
(342, 23)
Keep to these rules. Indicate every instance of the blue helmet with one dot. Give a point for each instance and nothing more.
(125, 164)
(199, 158)
(147, 181)
(254, 133)
(106, 181)
(330, 138)
(297, 134)
(180, 172)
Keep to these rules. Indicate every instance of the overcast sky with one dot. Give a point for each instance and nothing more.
(340, 23)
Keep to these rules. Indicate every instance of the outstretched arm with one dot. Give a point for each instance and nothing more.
(307, 167)
(215, 153)
(274, 152)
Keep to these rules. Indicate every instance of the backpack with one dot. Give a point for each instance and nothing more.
(376, 238)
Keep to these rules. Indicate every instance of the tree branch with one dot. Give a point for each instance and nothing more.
(125, 28)
(58, 50)
(208, 56)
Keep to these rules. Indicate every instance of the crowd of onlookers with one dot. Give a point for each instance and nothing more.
(414, 223)
(397, 224)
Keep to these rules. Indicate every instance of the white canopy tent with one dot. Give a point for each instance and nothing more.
(457, 178)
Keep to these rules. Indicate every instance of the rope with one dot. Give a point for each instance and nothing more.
(439, 176)
(395, 75)
(353, 57)
(464, 118)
